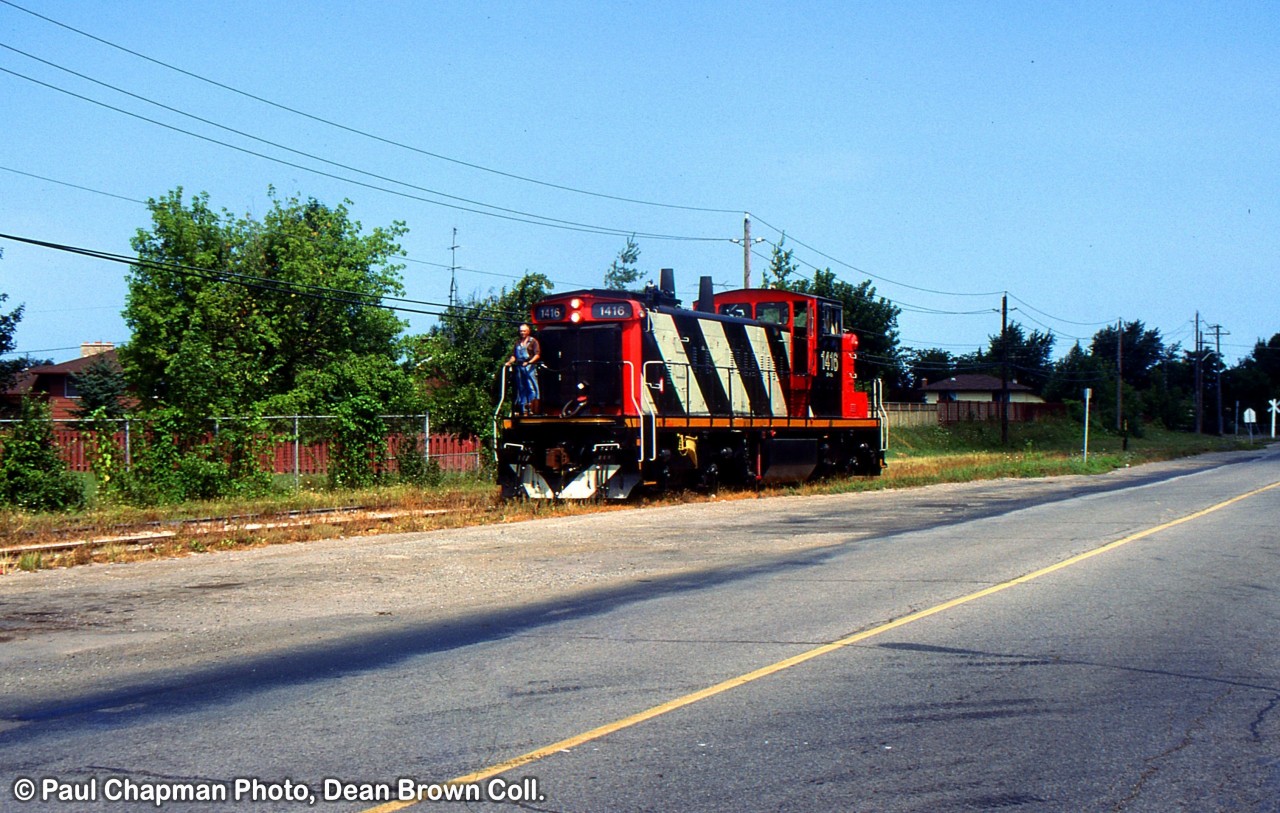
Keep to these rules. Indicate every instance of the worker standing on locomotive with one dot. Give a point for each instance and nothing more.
(524, 357)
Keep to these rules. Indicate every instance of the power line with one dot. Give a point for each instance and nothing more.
(279, 145)
(364, 133)
(406, 259)
(1058, 318)
(322, 292)
(520, 217)
(72, 185)
(855, 269)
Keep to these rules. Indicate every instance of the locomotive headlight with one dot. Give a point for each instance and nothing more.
(575, 303)
(575, 317)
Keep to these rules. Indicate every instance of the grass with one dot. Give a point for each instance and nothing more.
(917, 456)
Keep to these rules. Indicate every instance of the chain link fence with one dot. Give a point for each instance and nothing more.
(297, 445)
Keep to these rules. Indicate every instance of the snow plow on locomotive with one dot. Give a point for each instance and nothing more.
(750, 387)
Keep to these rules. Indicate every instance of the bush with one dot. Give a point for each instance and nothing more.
(199, 478)
(359, 448)
(169, 470)
(32, 476)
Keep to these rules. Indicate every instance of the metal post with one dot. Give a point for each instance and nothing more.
(1087, 392)
(297, 452)
(426, 440)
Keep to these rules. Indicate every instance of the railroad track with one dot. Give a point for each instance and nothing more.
(153, 532)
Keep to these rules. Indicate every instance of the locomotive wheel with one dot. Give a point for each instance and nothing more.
(711, 479)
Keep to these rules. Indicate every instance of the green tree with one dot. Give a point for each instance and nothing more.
(1029, 356)
(1255, 380)
(622, 273)
(230, 312)
(1169, 396)
(101, 387)
(1074, 372)
(10, 368)
(459, 361)
(1140, 351)
(1151, 387)
(930, 364)
(32, 476)
(782, 267)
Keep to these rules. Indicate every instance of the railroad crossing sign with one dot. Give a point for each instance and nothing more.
(1275, 408)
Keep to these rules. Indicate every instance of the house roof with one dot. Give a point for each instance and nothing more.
(973, 382)
(26, 380)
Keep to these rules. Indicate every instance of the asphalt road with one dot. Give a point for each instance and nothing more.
(1072, 644)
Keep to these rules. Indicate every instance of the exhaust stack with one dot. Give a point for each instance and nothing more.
(706, 296)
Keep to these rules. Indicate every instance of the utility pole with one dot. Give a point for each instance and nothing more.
(1120, 375)
(1004, 369)
(1199, 381)
(453, 269)
(1218, 333)
(747, 243)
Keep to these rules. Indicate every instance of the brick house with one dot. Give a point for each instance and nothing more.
(53, 382)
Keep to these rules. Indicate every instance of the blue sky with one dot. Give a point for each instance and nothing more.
(1095, 160)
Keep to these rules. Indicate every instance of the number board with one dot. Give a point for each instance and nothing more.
(611, 310)
(548, 313)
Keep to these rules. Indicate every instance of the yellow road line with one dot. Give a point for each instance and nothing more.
(795, 660)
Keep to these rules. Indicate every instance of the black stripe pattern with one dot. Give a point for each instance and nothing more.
(703, 364)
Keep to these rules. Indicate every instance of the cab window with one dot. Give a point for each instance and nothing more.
(832, 321)
(741, 309)
(802, 316)
(773, 312)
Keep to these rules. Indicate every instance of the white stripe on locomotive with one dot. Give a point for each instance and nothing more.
(725, 362)
(759, 338)
(674, 352)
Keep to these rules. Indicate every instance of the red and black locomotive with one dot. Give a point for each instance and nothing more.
(752, 386)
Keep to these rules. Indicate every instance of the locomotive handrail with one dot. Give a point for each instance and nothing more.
(877, 393)
(640, 412)
(502, 398)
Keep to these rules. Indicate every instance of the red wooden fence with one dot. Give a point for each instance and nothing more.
(450, 452)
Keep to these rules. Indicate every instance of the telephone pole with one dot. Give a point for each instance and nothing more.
(1120, 376)
(1004, 369)
(1199, 381)
(1218, 333)
(453, 269)
(747, 243)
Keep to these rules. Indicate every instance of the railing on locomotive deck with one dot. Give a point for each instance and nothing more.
(877, 398)
(653, 420)
(687, 385)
